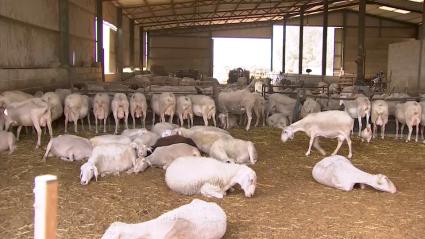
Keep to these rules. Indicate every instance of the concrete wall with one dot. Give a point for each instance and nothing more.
(406, 69)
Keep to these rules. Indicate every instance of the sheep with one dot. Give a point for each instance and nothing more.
(7, 141)
(110, 159)
(366, 134)
(358, 108)
(278, 120)
(160, 128)
(379, 116)
(184, 110)
(148, 138)
(138, 108)
(319, 124)
(233, 121)
(133, 133)
(204, 106)
(163, 104)
(409, 114)
(163, 156)
(120, 108)
(69, 148)
(172, 139)
(198, 219)
(260, 109)
(8, 97)
(237, 102)
(76, 108)
(109, 139)
(203, 139)
(191, 175)
(422, 103)
(234, 151)
(101, 108)
(338, 172)
(278, 103)
(55, 104)
(309, 106)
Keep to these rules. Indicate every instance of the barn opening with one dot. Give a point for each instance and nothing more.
(252, 54)
(109, 30)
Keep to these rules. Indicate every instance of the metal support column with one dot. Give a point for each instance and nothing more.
(99, 37)
(64, 38)
(422, 39)
(271, 49)
(119, 51)
(301, 42)
(131, 42)
(361, 44)
(325, 37)
(142, 48)
(284, 45)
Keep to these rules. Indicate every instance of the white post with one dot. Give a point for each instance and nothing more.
(45, 206)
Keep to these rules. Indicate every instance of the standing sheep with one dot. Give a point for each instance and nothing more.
(204, 106)
(409, 114)
(101, 109)
(76, 108)
(138, 108)
(198, 219)
(379, 116)
(358, 109)
(237, 102)
(209, 177)
(184, 110)
(163, 104)
(320, 125)
(309, 106)
(120, 108)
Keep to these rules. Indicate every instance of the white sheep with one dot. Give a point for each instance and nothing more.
(110, 139)
(69, 148)
(328, 124)
(133, 133)
(338, 172)
(409, 114)
(379, 116)
(110, 159)
(234, 150)
(120, 108)
(198, 219)
(138, 108)
(203, 138)
(184, 110)
(200, 175)
(358, 109)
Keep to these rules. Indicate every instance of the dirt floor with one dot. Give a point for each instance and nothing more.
(288, 203)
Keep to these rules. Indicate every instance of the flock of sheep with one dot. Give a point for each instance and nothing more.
(204, 159)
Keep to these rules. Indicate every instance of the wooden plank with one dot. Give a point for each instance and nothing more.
(45, 206)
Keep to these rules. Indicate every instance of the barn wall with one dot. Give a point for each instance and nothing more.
(406, 68)
(29, 44)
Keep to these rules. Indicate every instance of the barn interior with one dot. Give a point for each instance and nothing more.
(373, 46)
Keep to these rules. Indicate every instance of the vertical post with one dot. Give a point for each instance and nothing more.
(361, 43)
(45, 206)
(284, 45)
(119, 52)
(422, 38)
(301, 44)
(131, 42)
(148, 49)
(325, 37)
(271, 49)
(64, 36)
(99, 36)
(344, 37)
(142, 47)
(211, 68)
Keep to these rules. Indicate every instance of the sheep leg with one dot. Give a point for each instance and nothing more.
(66, 123)
(153, 117)
(410, 127)
(82, 123)
(38, 129)
(116, 122)
(340, 140)
(205, 118)
(417, 132)
(396, 128)
(104, 125)
(209, 190)
(375, 129)
(134, 120)
(18, 132)
(76, 125)
(227, 120)
(401, 131)
(360, 125)
(171, 117)
(95, 124)
(383, 131)
(144, 119)
(213, 118)
(310, 144)
(88, 120)
(162, 117)
(126, 119)
(249, 115)
(348, 139)
(317, 146)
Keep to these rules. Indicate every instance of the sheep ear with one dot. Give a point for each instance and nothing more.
(5, 112)
(149, 149)
(381, 179)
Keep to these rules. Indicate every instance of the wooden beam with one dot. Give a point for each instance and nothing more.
(325, 37)
(131, 42)
(301, 42)
(394, 6)
(64, 32)
(45, 207)
(271, 49)
(142, 47)
(361, 43)
(344, 37)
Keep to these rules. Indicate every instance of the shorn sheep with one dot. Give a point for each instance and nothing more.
(191, 175)
(338, 172)
(198, 219)
(328, 124)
